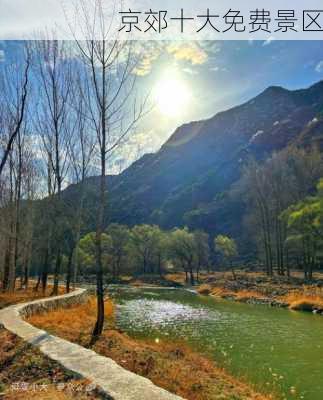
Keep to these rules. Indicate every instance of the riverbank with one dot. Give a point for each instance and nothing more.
(25, 373)
(257, 288)
(248, 287)
(173, 366)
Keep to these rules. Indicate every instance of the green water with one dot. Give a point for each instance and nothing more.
(277, 350)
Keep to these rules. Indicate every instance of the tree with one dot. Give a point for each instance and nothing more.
(203, 250)
(161, 250)
(119, 238)
(111, 106)
(305, 228)
(80, 152)
(86, 250)
(143, 245)
(227, 248)
(183, 250)
(54, 73)
(271, 187)
(14, 86)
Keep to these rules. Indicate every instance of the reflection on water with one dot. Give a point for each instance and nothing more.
(275, 349)
(160, 313)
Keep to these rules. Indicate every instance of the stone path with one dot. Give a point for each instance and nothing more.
(113, 380)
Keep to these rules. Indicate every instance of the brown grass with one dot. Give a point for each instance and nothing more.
(178, 277)
(244, 295)
(205, 289)
(308, 298)
(37, 377)
(258, 286)
(75, 323)
(221, 292)
(50, 392)
(173, 366)
(27, 374)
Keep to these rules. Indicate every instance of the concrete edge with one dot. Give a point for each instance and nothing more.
(112, 381)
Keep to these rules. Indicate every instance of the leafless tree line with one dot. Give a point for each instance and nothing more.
(269, 189)
(65, 107)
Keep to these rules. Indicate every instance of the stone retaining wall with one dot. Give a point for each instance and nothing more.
(52, 303)
(112, 380)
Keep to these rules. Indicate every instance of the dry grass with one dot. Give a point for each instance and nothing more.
(75, 323)
(50, 392)
(257, 286)
(178, 277)
(205, 289)
(27, 374)
(241, 295)
(309, 298)
(173, 366)
(244, 295)
(221, 292)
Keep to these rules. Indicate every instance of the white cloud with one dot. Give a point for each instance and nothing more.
(188, 51)
(214, 69)
(190, 71)
(319, 67)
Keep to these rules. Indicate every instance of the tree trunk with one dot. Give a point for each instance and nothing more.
(5, 281)
(233, 273)
(159, 265)
(191, 276)
(287, 263)
(25, 280)
(44, 274)
(69, 270)
(57, 272)
(38, 282)
(98, 328)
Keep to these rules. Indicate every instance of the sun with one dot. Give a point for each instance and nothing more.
(172, 95)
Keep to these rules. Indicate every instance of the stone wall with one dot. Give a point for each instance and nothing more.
(111, 379)
(52, 303)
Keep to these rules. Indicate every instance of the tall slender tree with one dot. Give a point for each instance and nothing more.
(111, 106)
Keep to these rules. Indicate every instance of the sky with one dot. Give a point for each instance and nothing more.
(219, 75)
(194, 80)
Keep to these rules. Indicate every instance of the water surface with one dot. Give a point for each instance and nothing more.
(275, 349)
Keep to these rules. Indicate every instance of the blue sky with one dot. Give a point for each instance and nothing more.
(223, 74)
(214, 76)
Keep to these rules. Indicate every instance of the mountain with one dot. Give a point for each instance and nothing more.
(187, 180)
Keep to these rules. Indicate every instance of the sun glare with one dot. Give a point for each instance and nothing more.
(172, 96)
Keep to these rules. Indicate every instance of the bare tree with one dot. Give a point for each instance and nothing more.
(80, 153)
(53, 67)
(14, 87)
(14, 81)
(111, 107)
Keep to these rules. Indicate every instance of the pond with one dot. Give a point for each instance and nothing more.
(277, 350)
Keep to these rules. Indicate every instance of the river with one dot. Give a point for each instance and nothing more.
(275, 349)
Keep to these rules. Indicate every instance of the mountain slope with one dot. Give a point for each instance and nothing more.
(186, 180)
